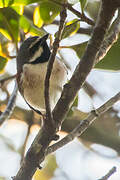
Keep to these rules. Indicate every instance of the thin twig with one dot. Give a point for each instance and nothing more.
(25, 142)
(10, 106)
(10, 57)
(49, 117)
(89, 89)
(109, 174)
(86, 31)
(6, 79)
(83, 125)
(109, 40)
(81, 30)
(82, 16)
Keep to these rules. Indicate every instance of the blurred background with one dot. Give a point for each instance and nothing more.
(96, 151)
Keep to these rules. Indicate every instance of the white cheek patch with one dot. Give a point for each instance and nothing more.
(37, 54)
(33, 43)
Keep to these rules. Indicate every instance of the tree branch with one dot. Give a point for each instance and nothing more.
(83, 125)
(86, 31)
(109, 174)
(81, 30)
(25, 142)
(10, 106)
(6, 79)
(31, 162)
(36, 153)
(82, 16)
(49, 118)
(110, 39)
(87, 61)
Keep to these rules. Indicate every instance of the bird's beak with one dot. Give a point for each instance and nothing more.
(39, 41)
(44, 38)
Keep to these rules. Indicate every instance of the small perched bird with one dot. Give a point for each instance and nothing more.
(32, 60)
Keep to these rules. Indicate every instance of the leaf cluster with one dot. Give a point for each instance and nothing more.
(31, 16)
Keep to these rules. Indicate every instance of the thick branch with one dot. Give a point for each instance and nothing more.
(87, 62)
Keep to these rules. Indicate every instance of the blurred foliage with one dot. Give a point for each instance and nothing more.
(92, 8)
(104, 131)
(9, 23)
(79, 48)
(112, 60)
(109, 62)
(47, 12)
(71, 28)
(83, 4)
(48, 171)
(7, 142)
(75, 104)
(6, 3)
(27, 26)
(3, 62)
(14, 18)
(2, 178)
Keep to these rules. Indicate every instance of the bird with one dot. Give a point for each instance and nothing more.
(32, 60)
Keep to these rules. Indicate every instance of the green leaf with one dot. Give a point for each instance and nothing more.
(48, 171)
(6, 3)
(112, 60)
(27, 26)
(73, 1)
(75, 104)
(83, 4)
(9, 23)
(71, 28)
(79, 48)
(24, 24)
(3, 62)
(19, 9)
(26, 2)
(92, 8)
(4, 48)
(37, 18)
(48, 11)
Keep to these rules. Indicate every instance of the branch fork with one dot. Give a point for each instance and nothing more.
(38, 149)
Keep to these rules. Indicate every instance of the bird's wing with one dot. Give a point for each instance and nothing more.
(22, 93)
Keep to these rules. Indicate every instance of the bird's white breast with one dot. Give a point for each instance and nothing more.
(33, 78)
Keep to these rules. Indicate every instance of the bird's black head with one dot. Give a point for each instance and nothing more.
(33, 50)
